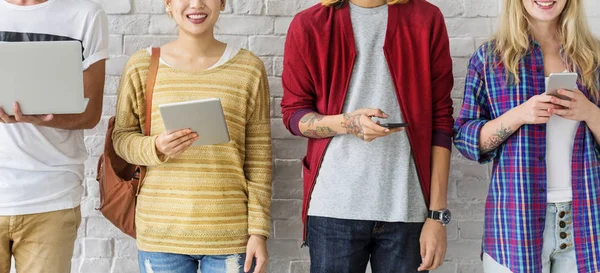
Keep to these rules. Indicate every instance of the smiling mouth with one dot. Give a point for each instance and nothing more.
(197, 16)
(545, 4)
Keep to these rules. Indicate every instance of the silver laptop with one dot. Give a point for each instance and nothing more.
(44, 77)
(204, 117)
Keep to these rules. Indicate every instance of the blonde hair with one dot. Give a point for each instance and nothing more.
(330, 3)
(581, 50)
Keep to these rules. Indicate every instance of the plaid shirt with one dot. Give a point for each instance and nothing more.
(516, 203)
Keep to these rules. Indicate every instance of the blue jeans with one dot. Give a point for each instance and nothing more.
(156, 262)
(558, 251)
(347, 246)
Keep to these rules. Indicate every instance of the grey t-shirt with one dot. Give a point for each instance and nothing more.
(374, 181)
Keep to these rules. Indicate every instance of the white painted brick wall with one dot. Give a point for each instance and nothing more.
(260, 25)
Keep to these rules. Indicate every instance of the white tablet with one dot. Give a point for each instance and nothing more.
(44, 77)
(204, 117)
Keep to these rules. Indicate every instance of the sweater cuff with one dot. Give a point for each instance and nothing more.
(156, 158)
(442, 139)
(295, 120)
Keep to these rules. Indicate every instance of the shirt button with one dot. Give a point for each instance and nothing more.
(539, 69)
(542, 190)
(562, 224)
(563, 246)
(561, 214)
(540, 127)
(541, 158)
(563, 235)
(541, 219)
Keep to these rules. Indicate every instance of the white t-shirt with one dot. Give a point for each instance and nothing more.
(230, 52)
(560, 138)
(41, 168)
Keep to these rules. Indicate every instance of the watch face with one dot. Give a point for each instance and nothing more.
(446, 217)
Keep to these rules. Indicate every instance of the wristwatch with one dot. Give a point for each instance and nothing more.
(442, 216)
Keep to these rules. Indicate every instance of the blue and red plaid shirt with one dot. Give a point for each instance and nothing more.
(516, 203)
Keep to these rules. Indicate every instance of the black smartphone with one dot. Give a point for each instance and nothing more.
(393, 125)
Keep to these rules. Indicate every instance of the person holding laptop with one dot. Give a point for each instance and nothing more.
(372, 192)
(542, 212)
(199, 206)
(42, 157)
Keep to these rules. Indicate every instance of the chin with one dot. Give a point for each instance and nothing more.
(545, 10)
(195, 31)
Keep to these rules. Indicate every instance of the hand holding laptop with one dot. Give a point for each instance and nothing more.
(44, 77)
(19, 117)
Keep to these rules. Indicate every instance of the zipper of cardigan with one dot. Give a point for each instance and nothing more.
(312, 187)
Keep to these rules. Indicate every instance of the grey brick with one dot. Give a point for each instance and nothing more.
(115, 7)
(121, 265)
(279, 266)
(276, 87)
(253, 7)
(245, 25)
(447, 267)
(463, 250)
(289, 229)
(289, 148)
(287, 250)
(472, 188)
(278, 130)
(300, 267)
(463, 27)
(471, 229)
(287, 169)
(267, 45)
(97, 248)
(287, 188)
(470, 267)
(129, 24)
(286, 209)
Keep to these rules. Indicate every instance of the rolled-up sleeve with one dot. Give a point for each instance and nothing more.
(442, 82)
(474, 114)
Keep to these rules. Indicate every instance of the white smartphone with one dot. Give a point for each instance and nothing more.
(557, 81)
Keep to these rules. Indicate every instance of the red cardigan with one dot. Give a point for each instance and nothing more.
(318, 63)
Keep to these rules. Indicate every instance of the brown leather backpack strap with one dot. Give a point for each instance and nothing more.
(150, 81)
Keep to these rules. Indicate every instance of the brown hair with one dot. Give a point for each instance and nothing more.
(330, 3)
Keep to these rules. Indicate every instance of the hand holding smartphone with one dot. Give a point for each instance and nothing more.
(564, 81)
(393, 125)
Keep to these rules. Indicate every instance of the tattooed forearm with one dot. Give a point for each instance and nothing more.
(496, 139)
(353, 126)
(310, 118)
(320, 132)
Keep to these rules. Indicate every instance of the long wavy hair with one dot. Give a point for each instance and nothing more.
(581, 50)
(336, 3)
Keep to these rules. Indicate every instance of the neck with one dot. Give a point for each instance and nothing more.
(196, 45)
(26, 2)
(369, 3)
(545, 32)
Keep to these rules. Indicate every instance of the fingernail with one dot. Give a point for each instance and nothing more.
(387, 130)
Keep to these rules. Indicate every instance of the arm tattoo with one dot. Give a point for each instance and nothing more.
(353, 126)
(320, 132)
(496, 139)
(310, 118)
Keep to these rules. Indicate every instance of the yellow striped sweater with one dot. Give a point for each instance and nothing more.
(211, 198)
